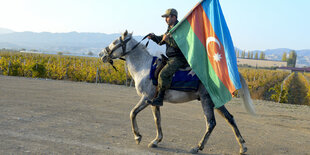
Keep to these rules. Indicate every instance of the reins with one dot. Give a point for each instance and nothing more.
(134, 47)
(123, 45)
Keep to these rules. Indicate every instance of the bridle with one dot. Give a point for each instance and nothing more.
(122, 44)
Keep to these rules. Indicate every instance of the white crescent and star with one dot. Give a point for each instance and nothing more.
(217, 57)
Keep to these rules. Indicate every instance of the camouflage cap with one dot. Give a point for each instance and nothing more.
(170, 12)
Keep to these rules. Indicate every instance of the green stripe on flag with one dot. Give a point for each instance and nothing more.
(195, 53)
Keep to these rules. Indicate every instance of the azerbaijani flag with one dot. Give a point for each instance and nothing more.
(205, 41)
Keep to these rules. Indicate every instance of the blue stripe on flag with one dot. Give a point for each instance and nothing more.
(216, 17)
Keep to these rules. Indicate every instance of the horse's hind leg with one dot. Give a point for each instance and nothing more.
(208, 108)
(230, 119)
(157, 119)
(139, 107)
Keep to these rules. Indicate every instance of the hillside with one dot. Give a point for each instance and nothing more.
(5, 31)
(73, 42)
(82, 43)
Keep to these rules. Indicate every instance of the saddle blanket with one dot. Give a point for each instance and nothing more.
(182, 80)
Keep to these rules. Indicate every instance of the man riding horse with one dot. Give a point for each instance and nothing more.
(175, 61)
(140, 62)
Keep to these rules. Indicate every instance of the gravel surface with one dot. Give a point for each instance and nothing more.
(39, 116)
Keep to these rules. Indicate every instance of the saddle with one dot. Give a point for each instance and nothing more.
(161, 64)
(183, 80)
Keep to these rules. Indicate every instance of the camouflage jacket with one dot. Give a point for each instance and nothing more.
(172, 49)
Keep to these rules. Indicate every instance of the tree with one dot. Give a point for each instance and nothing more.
(256, 55)
(249, 55)
(252, 54)
(243, 54)
(262, 56)
(284, 57)
(90, 53)
(291, 61)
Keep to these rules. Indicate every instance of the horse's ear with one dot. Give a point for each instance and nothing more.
(125, 33)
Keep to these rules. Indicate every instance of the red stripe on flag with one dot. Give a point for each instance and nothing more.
(202, 27)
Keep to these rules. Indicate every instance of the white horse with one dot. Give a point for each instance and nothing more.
(139, 62)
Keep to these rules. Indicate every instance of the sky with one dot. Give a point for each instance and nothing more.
(253, 24)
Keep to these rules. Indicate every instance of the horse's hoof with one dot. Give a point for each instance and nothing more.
(194, 150)
(243, 150)
(138, 139)
(152, 145)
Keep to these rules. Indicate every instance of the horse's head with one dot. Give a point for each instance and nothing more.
(117, 49)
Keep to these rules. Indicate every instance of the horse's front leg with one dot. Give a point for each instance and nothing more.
(139, 107)
(157, 119)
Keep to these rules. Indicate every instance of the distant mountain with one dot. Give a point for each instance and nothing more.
(72, 42)
(79, 43)
(4, 31)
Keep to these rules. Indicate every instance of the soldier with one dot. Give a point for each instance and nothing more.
(175, 61)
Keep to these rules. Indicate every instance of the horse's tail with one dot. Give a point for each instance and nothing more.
(245, 94)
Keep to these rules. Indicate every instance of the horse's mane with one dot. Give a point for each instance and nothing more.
(142, 46)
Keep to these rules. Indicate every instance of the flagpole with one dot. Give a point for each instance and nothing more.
(175, 27)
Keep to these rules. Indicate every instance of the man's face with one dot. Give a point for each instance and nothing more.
(170, 20)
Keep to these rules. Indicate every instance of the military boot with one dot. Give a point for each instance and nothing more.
(158, 101)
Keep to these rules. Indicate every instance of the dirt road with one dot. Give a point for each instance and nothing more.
(61, 117)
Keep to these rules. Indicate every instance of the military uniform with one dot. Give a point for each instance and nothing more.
(175, 61)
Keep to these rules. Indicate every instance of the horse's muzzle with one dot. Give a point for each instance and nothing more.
(104, 56)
